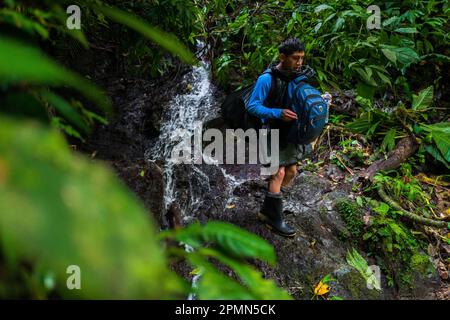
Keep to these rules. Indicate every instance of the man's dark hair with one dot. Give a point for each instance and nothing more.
(291, 45)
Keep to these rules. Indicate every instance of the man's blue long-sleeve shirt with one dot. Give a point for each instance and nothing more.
(260, 93)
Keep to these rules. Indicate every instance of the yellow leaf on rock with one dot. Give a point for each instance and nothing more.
(231, 206)
(321, 289)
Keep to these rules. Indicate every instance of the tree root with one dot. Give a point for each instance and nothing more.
(412, 216)
(405, 148)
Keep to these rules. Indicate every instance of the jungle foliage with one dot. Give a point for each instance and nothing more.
(56, 212)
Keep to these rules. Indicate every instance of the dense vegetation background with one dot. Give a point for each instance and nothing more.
(390, 118)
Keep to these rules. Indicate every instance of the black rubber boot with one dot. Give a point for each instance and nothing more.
(272, 215)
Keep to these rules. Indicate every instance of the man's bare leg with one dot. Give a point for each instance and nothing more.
(271, 212)
(289, 175)
(276, 180)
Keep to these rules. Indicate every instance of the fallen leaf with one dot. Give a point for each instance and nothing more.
(443, 273)
(230, 206)
(321, 289)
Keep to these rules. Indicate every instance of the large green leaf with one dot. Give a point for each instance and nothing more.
(60, 209)
(20, 63)
(238, 242)
(261, 288)
(400, 56)
(214, 285)
(431, 149)
(229, 238)
(440, 133)
(442, 141)
(165, 40)
(424, 99)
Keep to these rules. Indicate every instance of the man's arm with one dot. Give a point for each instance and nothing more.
(259, 95)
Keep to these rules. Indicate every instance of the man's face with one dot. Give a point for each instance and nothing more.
(293, 61)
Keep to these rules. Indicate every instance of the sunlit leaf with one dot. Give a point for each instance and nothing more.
(321, 289)
(406, 30)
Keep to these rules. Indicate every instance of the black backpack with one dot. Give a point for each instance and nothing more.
(234, 108)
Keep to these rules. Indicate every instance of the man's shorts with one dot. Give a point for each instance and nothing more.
(293, 153)
(288, 153)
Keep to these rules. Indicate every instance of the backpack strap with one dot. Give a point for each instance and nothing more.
(295, 101)
(273, 85)
(277, 80)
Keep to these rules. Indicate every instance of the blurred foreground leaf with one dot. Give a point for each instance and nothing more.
(59, 209)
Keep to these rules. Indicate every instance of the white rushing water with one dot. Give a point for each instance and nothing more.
(182, 115)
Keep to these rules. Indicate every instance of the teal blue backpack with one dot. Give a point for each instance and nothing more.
(312, 114)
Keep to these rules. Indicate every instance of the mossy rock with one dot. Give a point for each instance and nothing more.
(352, 216)
(351, 281)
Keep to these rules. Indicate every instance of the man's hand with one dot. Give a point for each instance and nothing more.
(288, 115)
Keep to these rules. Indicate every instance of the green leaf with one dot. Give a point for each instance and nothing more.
(365, 90)
(359, 263)
(259, 287)
(389, 140)
(399, 56)
(229, 238)
(442, 141)
(31, 66)
(431, 149)
(66, 210)
(322, 7)
(65, 108)
(384, 78)
(238, 242)
(393, 20)
(382, 208)
(338, 25)
(440, 133)
(214, 285)
(366, 76)
(423, 100)
(406, 30)
(165, 40)
(21, 22)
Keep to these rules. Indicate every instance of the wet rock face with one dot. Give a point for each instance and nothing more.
(200, 196)
(315, 251)
(320, 246)
(146, 180)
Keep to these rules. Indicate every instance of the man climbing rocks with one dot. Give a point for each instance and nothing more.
(273, 107)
